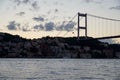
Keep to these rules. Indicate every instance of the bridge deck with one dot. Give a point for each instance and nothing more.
(108, 37)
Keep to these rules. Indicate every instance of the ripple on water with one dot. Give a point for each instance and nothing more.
(59, 69)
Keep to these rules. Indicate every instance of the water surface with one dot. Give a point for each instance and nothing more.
(59, 69)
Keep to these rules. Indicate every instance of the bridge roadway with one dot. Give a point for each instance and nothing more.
(99, 38)
(108, 37)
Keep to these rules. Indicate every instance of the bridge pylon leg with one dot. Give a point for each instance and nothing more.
(82, 27)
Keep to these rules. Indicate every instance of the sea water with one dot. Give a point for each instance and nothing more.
(59, 69)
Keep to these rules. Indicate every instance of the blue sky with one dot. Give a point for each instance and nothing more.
(43, 16)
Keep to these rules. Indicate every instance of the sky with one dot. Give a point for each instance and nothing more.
(39, 18)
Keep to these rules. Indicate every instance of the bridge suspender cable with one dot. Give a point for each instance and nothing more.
(99, 23)
(105, 24)
(74, 25)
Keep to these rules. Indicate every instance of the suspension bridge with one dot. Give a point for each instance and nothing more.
(98, 27)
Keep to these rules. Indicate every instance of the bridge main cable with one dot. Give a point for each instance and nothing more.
(103, 17)
(67, 24)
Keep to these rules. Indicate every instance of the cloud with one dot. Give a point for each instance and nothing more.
(31, 3)
(57, 3)
(26, 1)
(49, 26)
(25, 27)
(13, 25)
(115, 7)
(66, 27)
(94, 1)
(20, 13)
(56, 10)
(88, 1)
(19, 2)
(60, 27)
(35, 5)
(69, 26)
(38, 19)
(39, 27)
(49, 12)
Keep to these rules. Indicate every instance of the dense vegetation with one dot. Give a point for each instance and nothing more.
(13, 46)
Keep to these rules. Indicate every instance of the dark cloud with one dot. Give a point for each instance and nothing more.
(13, 25)
(66, 27)
(56, 10)
(69, 27)
(38, 19)
(116, 7)
(18, 2)
(60, 28)
(26, 1)
(20, 13)
(49, 26)
(25, 30)
(31, 3)
(88, 1)
(35, 5)
(39, 27)
(94, 1)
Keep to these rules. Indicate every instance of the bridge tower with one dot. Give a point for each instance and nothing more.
(80, 15)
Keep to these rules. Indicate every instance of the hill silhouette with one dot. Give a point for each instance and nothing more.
(14, 46)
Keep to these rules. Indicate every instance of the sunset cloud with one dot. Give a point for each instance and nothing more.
(49, 26)
(38, 19)
(66, 26)
(20, 13)
(38, 27)
(13, 25)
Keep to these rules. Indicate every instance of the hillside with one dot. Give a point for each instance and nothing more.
(13, 46)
